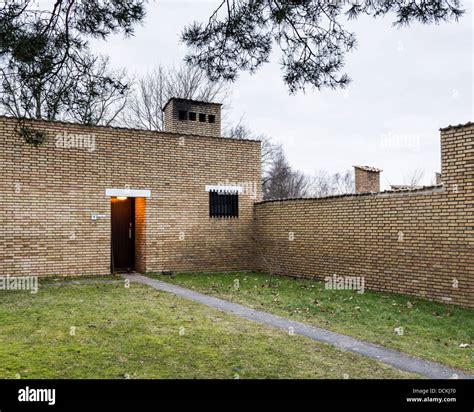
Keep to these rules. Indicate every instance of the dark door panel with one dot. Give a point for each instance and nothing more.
(123, 234)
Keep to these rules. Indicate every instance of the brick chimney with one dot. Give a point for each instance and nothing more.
(192, 117)
(367, 179)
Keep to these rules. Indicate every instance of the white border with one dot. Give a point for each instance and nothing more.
(127, 193)
(224, 189)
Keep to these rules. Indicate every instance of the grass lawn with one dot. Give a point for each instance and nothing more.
(138, 332)
(430, 330)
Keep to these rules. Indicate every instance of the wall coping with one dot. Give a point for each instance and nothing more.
(129, 129)
(385, 193)
(457, 126)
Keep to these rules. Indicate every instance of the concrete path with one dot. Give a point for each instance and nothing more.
(388, 356)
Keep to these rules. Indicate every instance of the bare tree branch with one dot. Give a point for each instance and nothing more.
(152, 91)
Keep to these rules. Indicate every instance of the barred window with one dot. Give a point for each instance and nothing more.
(223, 204)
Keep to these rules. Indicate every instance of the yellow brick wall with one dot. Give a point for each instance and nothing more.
(174, 125)
(366, 181)
(48, 193)
(419, 243)
(140, 234)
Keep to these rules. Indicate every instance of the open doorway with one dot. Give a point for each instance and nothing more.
(122, 234)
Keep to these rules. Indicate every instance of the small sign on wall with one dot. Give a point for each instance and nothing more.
(95, 216)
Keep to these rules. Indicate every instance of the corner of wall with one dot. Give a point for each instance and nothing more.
(457, 159)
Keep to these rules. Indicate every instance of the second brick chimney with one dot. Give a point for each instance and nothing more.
(367, 179)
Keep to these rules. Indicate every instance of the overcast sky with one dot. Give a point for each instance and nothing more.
(407, 83)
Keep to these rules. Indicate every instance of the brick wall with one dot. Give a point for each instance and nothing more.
(366, 179)
(48, 193)
(140, 234)
(417, 242)
(196, 125)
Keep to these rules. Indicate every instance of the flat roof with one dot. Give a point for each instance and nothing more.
(190, 101)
